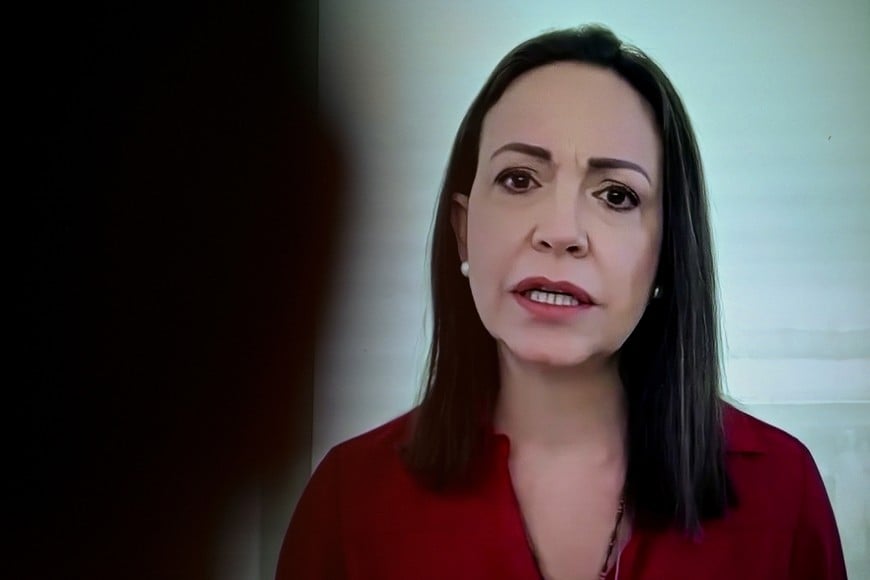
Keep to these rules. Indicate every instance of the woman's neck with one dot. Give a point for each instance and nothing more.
(560, 408)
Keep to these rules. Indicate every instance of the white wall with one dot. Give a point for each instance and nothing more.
(778, 94)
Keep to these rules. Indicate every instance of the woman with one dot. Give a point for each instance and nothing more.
(571, 425)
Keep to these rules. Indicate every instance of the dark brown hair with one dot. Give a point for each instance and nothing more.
(669, 366)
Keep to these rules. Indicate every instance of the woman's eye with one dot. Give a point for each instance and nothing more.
(517, 181)
(619, 198)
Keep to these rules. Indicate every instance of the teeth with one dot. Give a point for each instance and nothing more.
(553, 298)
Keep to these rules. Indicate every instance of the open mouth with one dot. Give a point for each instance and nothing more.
(551, 297)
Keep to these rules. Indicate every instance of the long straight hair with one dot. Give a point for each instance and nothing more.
(669, 365)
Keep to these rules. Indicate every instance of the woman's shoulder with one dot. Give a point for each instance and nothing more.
(773, 471)
(769, 466)
(348, 491)
(376, 447)
(779, 487)
(386, 435)
(746, 434)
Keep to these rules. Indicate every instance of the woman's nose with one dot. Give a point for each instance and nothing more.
(559, 231)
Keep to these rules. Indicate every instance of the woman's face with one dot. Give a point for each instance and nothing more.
(567, 192)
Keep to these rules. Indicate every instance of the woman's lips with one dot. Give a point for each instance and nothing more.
(558, 286)
(551, 311)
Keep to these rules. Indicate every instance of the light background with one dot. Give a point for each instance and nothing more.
(778, 94)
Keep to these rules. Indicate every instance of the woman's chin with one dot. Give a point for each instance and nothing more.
(552, 360)
(560, 355)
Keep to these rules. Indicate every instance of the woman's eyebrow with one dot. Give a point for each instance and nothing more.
(596, 162)
(612, 163)
(532, 150)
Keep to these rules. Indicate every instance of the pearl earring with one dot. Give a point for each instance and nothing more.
(464, 267)
(657, 291)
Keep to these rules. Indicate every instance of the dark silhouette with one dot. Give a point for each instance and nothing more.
(183, 190)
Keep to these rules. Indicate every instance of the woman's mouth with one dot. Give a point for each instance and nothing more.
(542, 290)
(547, 299)
(552, 298)
(549, 305)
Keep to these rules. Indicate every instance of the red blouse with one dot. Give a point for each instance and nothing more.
(363, 516)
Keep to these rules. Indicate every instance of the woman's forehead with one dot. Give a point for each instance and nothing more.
(573, 108)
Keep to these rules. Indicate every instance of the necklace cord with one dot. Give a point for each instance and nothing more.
(613, 536)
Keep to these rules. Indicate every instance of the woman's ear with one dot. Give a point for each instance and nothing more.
(459, 220)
